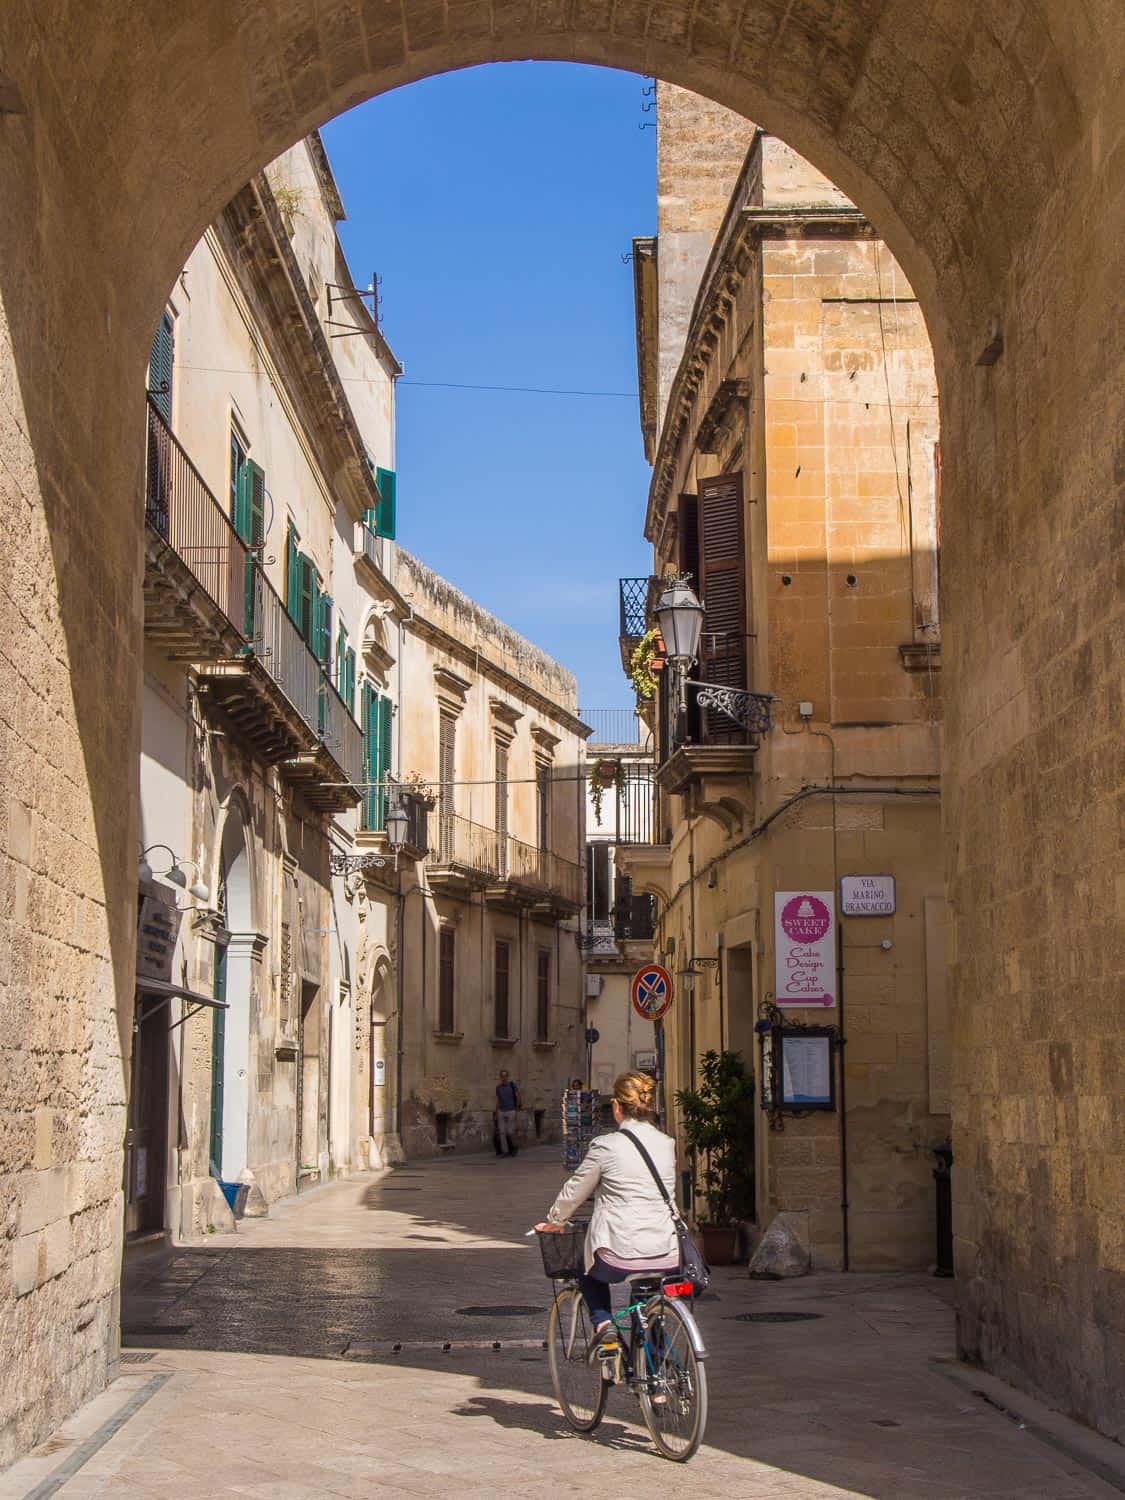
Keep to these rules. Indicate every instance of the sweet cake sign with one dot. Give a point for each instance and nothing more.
(805, 949)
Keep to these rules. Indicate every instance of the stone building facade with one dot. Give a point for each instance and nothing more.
(263, 574)
(795, 481)
(491, 970)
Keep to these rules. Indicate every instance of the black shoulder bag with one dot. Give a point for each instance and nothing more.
(693, 1267)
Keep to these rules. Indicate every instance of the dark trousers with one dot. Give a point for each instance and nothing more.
(596, 1287)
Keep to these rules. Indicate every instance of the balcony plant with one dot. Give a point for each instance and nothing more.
(718, 1127)
(644, 664)
(605, 773)
(414, 784)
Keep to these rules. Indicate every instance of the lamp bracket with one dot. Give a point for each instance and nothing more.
(749, 710)
(351, 864)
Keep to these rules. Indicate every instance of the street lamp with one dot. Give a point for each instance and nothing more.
(680, 615)
(176, 874)
(397, 825)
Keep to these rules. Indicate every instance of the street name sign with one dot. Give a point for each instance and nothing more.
(651, 992)
(867, 895)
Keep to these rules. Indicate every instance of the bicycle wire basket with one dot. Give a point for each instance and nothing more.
(564, 1252)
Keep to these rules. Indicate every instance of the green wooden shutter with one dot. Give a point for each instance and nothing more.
(341, 664)
(292, 576)
(367, 720)
(386, 730)
(160, 361)
(385, 515)
(250, 504)
(349, 679)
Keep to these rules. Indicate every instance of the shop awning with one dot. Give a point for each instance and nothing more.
(161, 991)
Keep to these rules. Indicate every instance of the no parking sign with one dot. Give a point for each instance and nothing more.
(651, 992)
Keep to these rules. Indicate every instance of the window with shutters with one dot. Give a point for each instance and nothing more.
(376, 721)
(543, 805)
(447, 745)
(597, 883)
(348, 694)
(501, 977)
(386, 511)
(722, 573)
(447, 975)
(501, 749)
(161, 360)
(542, 995)
(248, 485)
(238, 456)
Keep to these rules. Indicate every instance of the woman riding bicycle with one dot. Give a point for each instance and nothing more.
(631, 1229)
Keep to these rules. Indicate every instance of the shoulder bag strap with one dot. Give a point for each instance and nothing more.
(651, 1165)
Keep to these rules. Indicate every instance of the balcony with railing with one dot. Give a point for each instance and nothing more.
(633, 610)
(208, 602)
(466, 856)
(463, 855)
(368, 548)
(623, 728)
(528, 877)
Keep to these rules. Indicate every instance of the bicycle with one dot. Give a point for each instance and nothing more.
(659, 1353)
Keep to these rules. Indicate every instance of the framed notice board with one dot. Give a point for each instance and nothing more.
(804, 1067)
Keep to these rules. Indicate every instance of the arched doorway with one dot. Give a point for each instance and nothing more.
(230, 1036)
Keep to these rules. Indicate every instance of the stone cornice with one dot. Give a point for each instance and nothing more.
(483, 665)
(254, 238)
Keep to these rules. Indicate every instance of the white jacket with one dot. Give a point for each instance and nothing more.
(630, 1218)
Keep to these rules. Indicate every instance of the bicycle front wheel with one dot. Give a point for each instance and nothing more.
(577, 1380)
(674, 1393)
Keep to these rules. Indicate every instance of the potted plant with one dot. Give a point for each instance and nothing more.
(718, 1127)
(644, 664)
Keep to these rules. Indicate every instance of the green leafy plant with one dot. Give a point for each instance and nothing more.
(718, 1124)
(642, 671)
(603, 775)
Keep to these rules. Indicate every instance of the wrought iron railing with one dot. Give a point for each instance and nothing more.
(633, 603)
(613, 726)
(341, 734)
(282, 652)
(368, 545)
(182, 511)
(464, 845)
(542, 870)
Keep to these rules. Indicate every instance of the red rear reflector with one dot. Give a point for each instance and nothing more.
(677, 1288)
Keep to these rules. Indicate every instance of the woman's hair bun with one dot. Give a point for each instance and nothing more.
(635, 1092)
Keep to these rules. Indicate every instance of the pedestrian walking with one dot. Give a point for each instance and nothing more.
(507, 1104)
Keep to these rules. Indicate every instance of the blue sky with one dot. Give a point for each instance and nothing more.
(495, 204)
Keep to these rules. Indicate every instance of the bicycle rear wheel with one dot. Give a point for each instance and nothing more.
(674, 1396)
(577, 1380)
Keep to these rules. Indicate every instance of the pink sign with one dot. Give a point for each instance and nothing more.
(804, 949)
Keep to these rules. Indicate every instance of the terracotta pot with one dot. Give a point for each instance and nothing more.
(720, 1244)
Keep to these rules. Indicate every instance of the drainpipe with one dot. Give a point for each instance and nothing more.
(400, 937)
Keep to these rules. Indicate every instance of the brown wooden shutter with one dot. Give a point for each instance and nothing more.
(447, 760)
(722, 566)
(687, 538)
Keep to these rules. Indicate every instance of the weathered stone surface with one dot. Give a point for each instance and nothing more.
(780, 1252)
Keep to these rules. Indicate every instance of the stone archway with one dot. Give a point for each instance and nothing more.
(985, 140)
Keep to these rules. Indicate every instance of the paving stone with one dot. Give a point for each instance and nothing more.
(262, 1404)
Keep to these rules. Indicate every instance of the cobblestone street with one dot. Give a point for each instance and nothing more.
(344, 1346)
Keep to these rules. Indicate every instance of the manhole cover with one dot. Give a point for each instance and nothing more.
(400, 1190)
(136, 1359)
(775, 1317)
(505, 1310)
